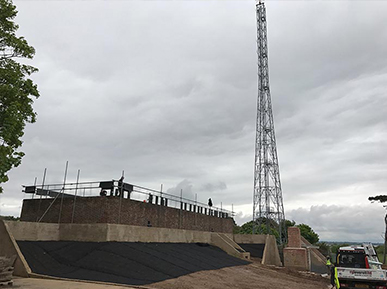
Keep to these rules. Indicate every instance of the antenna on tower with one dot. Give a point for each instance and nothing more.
(268, 209)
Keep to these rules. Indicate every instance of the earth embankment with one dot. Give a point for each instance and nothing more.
(122, 262)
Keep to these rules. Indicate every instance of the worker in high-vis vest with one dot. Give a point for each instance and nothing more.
(333, 271)
(334, 278)
(329, 263)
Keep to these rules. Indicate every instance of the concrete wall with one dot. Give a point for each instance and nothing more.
(31, 231)
(91, 210)
(9, 248)
(249, 239)
(144, 234)
(83, 232)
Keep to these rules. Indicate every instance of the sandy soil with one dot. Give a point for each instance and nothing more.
(34, 283)
(253, 276)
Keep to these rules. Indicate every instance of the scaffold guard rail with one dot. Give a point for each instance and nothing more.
(117, 188)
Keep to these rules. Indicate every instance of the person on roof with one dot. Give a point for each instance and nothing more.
(119, 190)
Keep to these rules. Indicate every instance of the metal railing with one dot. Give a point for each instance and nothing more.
(122, 190)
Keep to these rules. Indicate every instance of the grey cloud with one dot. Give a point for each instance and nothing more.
(240, 218)
(184, 188)
(167, 92)
(210, 187)
(343, 223)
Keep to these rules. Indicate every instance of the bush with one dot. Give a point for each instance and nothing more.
(308, 233)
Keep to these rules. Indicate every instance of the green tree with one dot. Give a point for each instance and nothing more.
(289, 224)
(308, 233)
(324, 248)
(247, 228)
(17, 91)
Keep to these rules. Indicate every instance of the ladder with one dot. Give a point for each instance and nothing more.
(371, 255)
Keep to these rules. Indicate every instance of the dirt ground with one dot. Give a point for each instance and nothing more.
(242, 277)
(253, 276)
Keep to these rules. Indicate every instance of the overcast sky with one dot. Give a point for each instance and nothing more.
(166, 91)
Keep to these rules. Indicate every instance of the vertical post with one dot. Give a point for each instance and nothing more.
(181, 208)
(121, 193)
(63, 188)
(75, 196)
(159, 208)
(195, 208)
(40, 199)
(385, 240)
(35, 188)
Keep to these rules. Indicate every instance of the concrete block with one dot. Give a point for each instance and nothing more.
(270, 253)
(294, 237)
(296, 258)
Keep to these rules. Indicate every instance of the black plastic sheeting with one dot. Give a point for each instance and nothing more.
(122, 262)
(256, 250)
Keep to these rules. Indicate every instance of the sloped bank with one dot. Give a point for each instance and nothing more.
(123, 262)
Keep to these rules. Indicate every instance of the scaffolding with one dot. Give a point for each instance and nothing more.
(122, 190)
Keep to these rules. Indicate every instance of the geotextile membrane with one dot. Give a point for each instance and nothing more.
(123, 262)
(256, 250)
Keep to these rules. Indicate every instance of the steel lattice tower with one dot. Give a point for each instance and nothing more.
(268, 209)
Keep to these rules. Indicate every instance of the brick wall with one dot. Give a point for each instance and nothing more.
(294, 237)
(106, 210)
